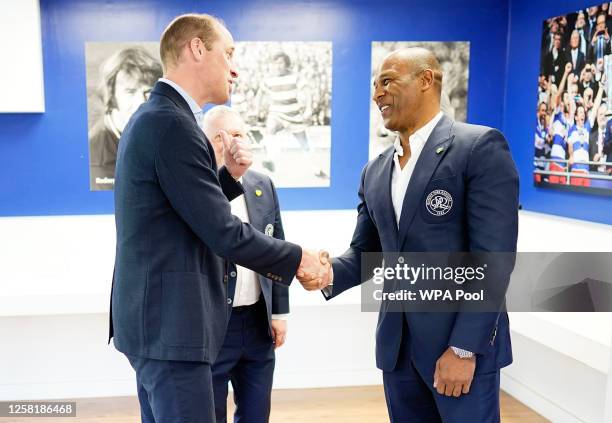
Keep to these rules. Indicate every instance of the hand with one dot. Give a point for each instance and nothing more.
(453, 375)
(237, 155)
(568, 67)
(279, 332)
(315, 271)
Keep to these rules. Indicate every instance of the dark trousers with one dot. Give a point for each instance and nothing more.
(174, 391)
(247, 361)
(411, 399)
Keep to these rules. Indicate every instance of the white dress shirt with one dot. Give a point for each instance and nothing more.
(248, 288)
(400, 178)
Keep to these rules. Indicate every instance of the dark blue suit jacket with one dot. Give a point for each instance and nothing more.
(174, 230)
(476, 168)
(264, 214)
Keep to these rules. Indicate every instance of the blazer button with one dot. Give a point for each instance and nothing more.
(233, 274)
(229, 300)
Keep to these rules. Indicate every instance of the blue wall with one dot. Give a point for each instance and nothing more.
(45, 156)
(526, 19)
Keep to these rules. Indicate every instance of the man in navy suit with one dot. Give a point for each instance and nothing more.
(258, 313)
(436, 366)
(176, 235)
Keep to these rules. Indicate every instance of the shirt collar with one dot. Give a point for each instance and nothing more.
(193, 105)
(420, 137)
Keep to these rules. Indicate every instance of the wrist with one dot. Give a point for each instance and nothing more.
(461, 353)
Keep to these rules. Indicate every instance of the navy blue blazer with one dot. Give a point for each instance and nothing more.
(475, 167)
(264, 215)
(174, 230)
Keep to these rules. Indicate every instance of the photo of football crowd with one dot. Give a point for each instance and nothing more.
(573, 137)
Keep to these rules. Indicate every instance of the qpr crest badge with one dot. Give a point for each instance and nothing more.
(439, 202)
(269, 229)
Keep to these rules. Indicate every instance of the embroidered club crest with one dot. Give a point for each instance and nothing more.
(439, 202)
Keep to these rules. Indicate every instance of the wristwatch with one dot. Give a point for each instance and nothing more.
(461, 353)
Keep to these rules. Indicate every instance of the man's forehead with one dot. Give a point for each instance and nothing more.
(225, 36)
(132, 79)
(391, 66)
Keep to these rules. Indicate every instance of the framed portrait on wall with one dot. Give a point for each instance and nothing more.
(283, 93)
(120, 77)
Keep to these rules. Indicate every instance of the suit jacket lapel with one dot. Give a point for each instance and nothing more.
(255, 203)
(426, 165)
(386, 204)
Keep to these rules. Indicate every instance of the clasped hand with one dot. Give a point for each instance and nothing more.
(315, 271)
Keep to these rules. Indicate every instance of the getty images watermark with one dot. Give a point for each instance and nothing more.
(487, 282)
(405, 273)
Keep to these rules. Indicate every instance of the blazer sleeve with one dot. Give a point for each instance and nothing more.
(231, 187)
(492, 225)
(280, 293)
(347, 267)
(186, 173)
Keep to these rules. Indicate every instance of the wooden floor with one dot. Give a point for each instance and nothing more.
(334, 405)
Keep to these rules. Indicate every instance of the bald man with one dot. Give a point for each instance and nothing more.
(444, 186)
(257, 323)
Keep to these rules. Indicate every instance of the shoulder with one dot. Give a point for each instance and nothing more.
(252, 176)
(468, 136)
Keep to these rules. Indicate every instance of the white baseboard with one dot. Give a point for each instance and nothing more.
(536, 402)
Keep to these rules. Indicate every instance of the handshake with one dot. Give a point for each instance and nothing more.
(315, 271)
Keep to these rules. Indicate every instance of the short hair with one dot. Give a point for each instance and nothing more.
(182, 30)
(284, 56)
(215, 113)
(136, 62)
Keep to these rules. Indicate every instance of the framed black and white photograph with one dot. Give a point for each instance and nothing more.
(454, 58)
(283, 93)
(120, 77)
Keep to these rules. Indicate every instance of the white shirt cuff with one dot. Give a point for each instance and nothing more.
(280, 316)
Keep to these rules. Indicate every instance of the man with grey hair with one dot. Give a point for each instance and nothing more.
(257, 323)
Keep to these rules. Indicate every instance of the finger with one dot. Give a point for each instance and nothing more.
(244, 161)
(237, 145)
(441, 387)
(323, 257)
(436, 374)
(466, 387)
(457, 390)
(280, 340)
(226, 139)
(449, 389)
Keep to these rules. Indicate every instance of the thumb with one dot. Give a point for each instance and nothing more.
(435, 383)
(323, 257)
(226, 139)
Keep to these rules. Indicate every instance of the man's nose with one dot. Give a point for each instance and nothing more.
(378, 93)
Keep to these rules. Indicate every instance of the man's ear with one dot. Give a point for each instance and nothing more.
(427, 79)
(196, 46)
